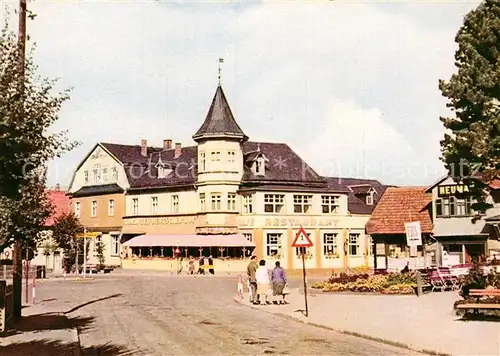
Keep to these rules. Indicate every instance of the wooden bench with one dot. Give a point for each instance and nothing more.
(478, 293)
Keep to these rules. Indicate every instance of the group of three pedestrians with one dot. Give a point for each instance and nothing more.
(264, 283)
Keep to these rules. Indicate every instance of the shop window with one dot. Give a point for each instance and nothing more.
(274, 203)
(273, 244)
(354, 249)
(330, 204)
(330, 248)
(302, 203)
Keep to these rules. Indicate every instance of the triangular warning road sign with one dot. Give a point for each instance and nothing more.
(302, 239)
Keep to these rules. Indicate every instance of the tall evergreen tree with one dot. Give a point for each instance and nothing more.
(471, 145)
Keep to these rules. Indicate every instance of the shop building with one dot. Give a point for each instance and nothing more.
(386, 226)
(229, 197)
(464, 234)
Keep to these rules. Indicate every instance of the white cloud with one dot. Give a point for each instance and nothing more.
(302, 73)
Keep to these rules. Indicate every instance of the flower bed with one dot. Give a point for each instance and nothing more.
(393, 283)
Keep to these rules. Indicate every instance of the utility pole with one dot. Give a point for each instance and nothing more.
(17, 270)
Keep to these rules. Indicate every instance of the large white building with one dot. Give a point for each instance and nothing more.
(228, 196)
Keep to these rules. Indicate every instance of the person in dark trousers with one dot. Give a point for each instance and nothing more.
(211, 265)
(201, 265)
(406, 269)
(251, 269)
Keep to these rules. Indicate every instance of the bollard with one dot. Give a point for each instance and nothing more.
(3, 305)
(419, 284)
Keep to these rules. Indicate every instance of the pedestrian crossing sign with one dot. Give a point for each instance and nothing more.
(302, 239)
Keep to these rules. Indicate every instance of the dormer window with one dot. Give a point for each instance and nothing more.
(369, 198)
(163, 172)
(260, 168)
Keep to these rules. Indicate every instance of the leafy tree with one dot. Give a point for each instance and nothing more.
(471, 147)
(28, 108)
(23, 219)
(66, 227)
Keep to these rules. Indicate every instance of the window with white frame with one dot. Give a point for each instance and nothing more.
(215, 160)
(247, 204)
(154, 205)
(330, 204)
(248, 236)
(77, 209)
(273, 244)
(302, 203)
(86, 176)
(175, 203)
(93, 211)
(354, 249)
(274, 203)
(115, 245)
(135, 206)
(203, 202)
(260, 166)
(231, 201)
(95, 173)
(369, 198)
(231, 160)
(105, 174)
(215, 201)
(330, 247)
(111, 207)
(203, 162)
(114, 173)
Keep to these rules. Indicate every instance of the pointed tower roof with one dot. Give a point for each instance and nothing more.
(220, 121)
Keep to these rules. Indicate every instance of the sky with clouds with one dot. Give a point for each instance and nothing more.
(350, 86)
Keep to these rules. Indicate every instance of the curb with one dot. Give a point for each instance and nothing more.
(351, 333)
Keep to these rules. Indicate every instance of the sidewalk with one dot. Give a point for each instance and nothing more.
(41, 332)
(426, 323)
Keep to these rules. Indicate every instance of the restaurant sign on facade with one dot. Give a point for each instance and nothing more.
(451, 190)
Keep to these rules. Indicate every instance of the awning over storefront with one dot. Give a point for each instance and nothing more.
(236, 240)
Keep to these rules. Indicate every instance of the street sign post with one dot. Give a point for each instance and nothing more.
(302, 241)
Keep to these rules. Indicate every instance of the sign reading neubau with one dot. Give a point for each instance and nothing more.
(413, 233)
(450, 190)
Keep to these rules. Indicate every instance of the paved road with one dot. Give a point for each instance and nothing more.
(170, 315)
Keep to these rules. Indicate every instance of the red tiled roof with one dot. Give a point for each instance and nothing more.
(399, 205)
(494, 184)
(60, 201)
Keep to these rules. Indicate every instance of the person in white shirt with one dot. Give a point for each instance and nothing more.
(263, 281)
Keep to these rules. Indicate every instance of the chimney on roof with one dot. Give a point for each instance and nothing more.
(144, 148)
(167, 144)
(178, 149)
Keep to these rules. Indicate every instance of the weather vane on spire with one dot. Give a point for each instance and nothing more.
(221, 60)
